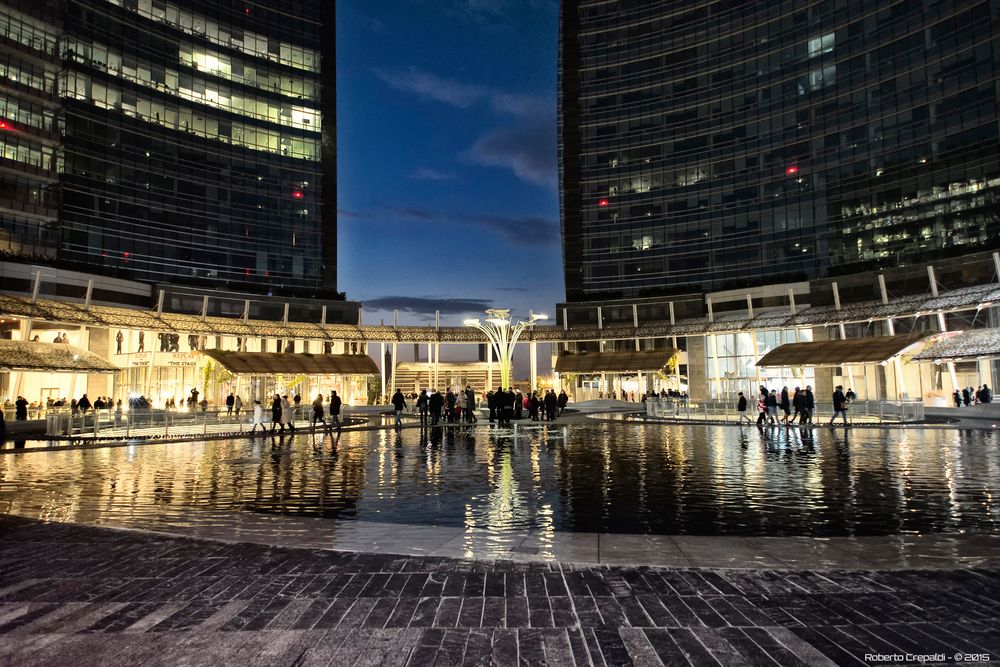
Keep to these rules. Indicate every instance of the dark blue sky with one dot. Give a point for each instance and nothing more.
(446, 126)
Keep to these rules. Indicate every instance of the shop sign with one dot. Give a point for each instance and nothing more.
(140, 359)
(176, 359)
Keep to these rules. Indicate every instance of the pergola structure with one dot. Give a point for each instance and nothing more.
(699, 332)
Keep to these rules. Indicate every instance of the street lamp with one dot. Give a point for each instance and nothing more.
(503, 337)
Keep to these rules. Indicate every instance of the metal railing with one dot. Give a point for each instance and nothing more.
(162, 423)
(896, 411)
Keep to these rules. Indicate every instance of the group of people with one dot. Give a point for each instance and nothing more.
(511, 404)
(800, 405)
(667, 393)
(453, 406)
(504, 405)
(969, 396)
(283, 412)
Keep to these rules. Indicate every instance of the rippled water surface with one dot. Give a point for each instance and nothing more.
(624, 478)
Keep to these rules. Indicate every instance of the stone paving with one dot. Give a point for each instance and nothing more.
(75, 595)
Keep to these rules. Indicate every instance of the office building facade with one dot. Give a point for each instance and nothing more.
(714, 145)
(179, 142)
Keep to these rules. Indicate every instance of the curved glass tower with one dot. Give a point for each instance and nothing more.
(191, 142)
(717, 144)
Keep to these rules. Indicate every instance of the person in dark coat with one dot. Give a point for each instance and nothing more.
(335, 404)
(533, 403)
(470, 403)
(785, 404)
(450, 400)
(518, 404)
(3, 429)
(276, 413)
(957, 397)
(810, 404)
(423, 402)
(551, 405)
(966, 396)
(398, 405)
(491, 404)
(741, 407)
(508, 406)
(563, 400)
(20, 409)
(84, 404)
(435, 403)
(839, 405)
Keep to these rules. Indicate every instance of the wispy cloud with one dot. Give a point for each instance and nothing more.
(429, 174)
(418, 305)
(528, 151)
(528, 148)
(353, 215)
(525, 229)
(433, 87)
(464, 95)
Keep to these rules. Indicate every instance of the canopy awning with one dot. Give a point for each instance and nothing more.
(19, 355)
(271, 363)
(968, 345)
(875, 350)
(613, 362)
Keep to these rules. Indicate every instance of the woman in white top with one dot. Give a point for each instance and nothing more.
(258, 417)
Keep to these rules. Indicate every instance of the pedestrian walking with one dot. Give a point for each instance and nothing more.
(230, 404)
(810, 405)
(399, 404)
(276, 413)
(238, 406)
(839, 405)
(423, 403)
(772, 407)
(318, 412)
(741, 407)
(258, 418)
(785, 404)
(335, 405)
(287, 415)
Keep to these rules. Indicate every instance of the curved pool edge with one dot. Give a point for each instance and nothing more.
(894, 552)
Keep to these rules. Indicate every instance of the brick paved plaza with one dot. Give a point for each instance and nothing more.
(76, 595)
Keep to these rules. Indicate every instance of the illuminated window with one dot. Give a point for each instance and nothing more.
(820, 45)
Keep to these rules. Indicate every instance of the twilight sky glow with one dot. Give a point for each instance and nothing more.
(447, 157)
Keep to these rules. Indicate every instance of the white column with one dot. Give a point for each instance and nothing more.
(382, 366)
(943, 324)
(533, 359)
(437, 364)
(713, 348)
(392, 371)
(843, 335)
(489, 365)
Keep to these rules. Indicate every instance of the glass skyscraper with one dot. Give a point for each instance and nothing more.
(709, 145)
(188, 142)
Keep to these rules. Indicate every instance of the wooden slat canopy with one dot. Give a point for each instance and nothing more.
(874, 350)
(613, 362)
(271, 363)
(19, 355)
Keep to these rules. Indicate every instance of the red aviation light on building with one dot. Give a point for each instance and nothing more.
(298, 194)
(4, 125)
(791, 170)
(603, 202)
